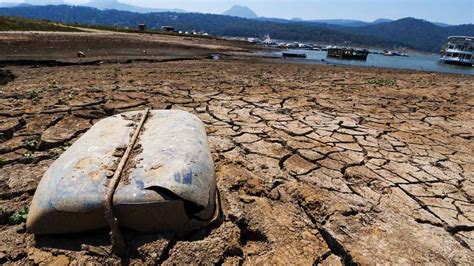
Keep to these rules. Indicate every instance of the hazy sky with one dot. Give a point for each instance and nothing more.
(448, 11)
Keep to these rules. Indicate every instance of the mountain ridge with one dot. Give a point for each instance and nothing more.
(114, 4)
(241, 12)
(408, 32)
(99, 4)
(117, 5)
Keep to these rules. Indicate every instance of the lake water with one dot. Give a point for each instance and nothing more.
(415, 61)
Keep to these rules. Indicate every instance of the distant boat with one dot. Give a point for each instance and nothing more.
(267, 40)
(393, 53)
(348, 53)
(458, 51)
(293, 54)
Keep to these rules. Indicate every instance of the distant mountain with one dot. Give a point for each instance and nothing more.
(350, 22)
(241, 12)
(382, 20)
(32, 3)
(45, 2)
(441, 24)
(114, 4)
(99, 4)
(419, 34)
(327, 23)
(9, 4)
(342, 22)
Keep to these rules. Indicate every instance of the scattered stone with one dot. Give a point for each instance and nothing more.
(64, 131)
(6, 76)
(246, 199)
(9, 126)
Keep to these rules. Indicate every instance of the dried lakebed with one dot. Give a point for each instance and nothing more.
(315, 164)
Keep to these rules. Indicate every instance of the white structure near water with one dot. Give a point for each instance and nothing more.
(458, 51)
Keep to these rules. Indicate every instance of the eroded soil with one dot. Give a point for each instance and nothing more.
(106, 45)
(315, 164)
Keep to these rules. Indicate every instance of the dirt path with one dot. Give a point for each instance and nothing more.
(315, 164)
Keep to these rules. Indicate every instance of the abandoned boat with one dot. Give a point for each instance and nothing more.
(160, 169)
(348, 53)
(458, 50)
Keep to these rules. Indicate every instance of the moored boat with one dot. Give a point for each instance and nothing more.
(348, 53)
(458, 50)
(293, 54)
(394, 53)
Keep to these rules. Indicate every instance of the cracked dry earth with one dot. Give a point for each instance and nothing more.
(315, 164)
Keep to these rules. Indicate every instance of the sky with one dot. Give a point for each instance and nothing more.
(447, 11)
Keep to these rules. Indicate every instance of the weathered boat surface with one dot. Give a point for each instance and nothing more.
(168, 185)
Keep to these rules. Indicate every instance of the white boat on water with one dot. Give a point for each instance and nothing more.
(458, 51)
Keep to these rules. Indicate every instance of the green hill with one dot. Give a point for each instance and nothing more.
(419, 34)
(23, 24)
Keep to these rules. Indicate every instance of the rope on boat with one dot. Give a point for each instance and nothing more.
(118, 243)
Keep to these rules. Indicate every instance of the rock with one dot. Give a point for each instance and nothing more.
(332, 260)
(222, 241)
(4, 216)
(151, 246)
(9, 126)
(38, 256)
(246, 199)
(6, 76)
(3, 257)
(64, 131)
(60, 260)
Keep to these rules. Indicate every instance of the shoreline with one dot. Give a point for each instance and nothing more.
(448, 69)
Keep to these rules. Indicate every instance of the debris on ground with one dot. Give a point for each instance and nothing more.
(6, 76)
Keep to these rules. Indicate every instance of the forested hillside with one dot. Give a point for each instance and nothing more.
(408, 32)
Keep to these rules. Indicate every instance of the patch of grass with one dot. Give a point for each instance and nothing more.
(32, 144)
(24, 24)
(33, 95)
(52, 84)
(3, 161)
(27, 154)
(19, 217)
(59, 150)
(383, 82)
(72, 95)
(65, 146)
